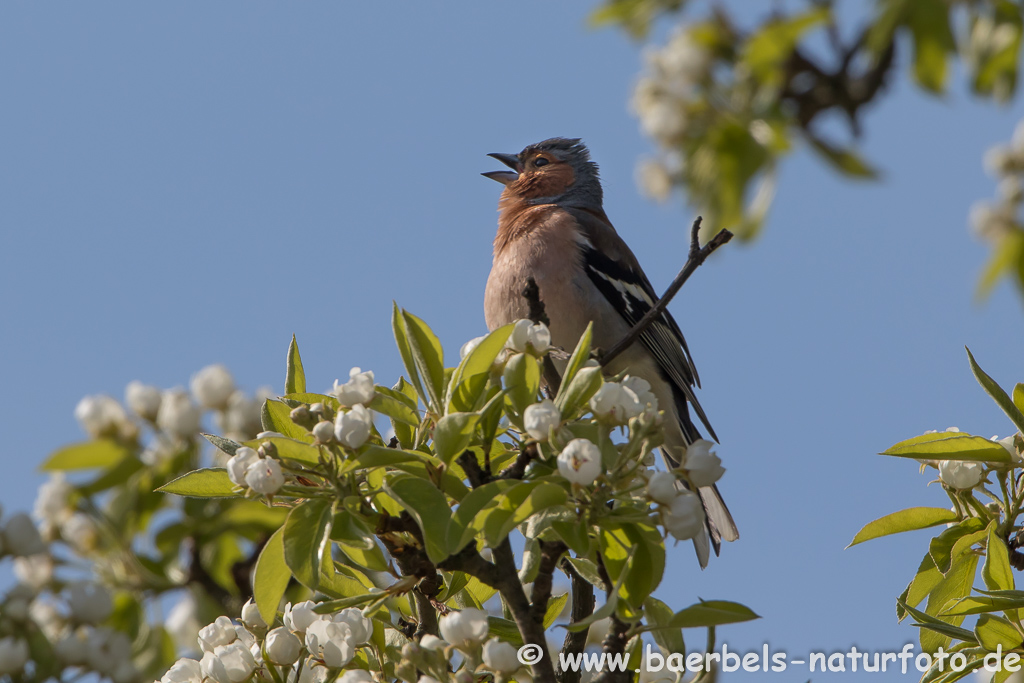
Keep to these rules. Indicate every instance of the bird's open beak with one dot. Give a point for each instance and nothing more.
(504, 177)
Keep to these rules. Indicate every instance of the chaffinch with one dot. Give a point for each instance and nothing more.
(552, 227)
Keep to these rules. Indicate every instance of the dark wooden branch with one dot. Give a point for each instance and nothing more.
(518, 468)
(615, 639)
(582, 607)
(696, 257)
(538, 314)
(550, 553)
(531, 630)
(413, 561)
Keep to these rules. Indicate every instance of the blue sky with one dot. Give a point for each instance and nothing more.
(192, 183)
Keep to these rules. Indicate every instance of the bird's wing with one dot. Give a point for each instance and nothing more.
(617, 274)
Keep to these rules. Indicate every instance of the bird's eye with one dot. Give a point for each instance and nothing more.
(540, 161)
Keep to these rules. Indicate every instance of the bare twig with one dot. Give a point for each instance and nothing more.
(538, 314)
(550, 553)
(696, 257)
(582, 607)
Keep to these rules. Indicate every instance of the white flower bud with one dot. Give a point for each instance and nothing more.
(89, 603)
(361, 627)
(331, 642)
(251, 616)
(21, 537)
(500, 657)
(527, 336)
(353, 428)
(184, 671)
(212, 386)
(615, 403)
(238, 464)
(684, 518)
(178, 415)
(283, 647)
(641, 388)
(264, 476)
(661, 487)
(100, 416)
(541, 418)
(231, 663)
(580, 462)
(464, 629)
(703, 467)
(323, 431)
(433, 643)
(220, 632)
(143, 400)
(427, 679)
(107, 650)
(34, 570)
(52, 505)
(13, 655)
(299, 617)
(80, 532)
(958, 474)
(469, 346)
(358, 389)
(355, 676)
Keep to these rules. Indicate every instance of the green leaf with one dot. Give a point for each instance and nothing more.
(580, 355)
(636, 552)
(394, 405)
(950, 446)
(307, 532)
(371, 456)
(428, 506)
(276, 417)
(509, 509)
(204, 483)
(1007, 256)
(766, 52)
(271, 577)
(997, 573)
(295, 377)
(460, 529)
(220, 443)
(86, 455)
(994, 631)
(910, 519)
(469, 380)
(975, 604)
(453, 434)
(955, 585)
(290, 449)
(997, 394)
(846, 161)
(505, 630)
(428, 358)
(927, 578)
(575, 535)
(555, 607)
(405, 350)
(522, 381)
(658, 615)
(573, 396)
(711, 613)
(928, 21)
(942, 547)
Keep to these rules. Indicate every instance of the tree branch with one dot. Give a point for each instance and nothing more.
(538, 314)
(615, 639)
(550, 553)
(696, 257)
(582, 607)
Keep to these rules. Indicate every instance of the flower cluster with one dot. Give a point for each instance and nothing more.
(993, 221)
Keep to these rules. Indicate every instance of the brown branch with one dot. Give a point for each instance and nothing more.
(696, 257)
(582, 607)
(538, 314)
(550, 553)
(615, 639)
(518, 468)
(532, 631)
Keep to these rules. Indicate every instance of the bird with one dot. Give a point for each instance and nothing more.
(552, 228)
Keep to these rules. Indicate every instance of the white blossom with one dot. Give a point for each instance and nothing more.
(182, 623)
(433, 643)
(21, 537)
(142, 399)
(108, 649)
(184, 671)
(264, 476)
(53, 501)
(220, 632)
(958, 474)
(241, 418)
(615, 403)
(664, 119)
(541, 418)
(500, 657)
(34, 570)
(580, 463)
(80, 531)
(13, 655)
(89, 603)
(358, 388)
(661, 487)
(465, 628)
(251, 616)
(641, 388)
(703, 467)
(299, 617)
(331, 642)
(361, 627)
(469, 346)
(232, 663)
(238, 464)
(355, 676)
(529, 336)
(323, 431)
(73, 648)
(178, 415)
(283, 647)
(47, 617)
(353, 428)
(654, 179)
(684, 518)
(212, 386)
(18, 600)
(100, 416)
